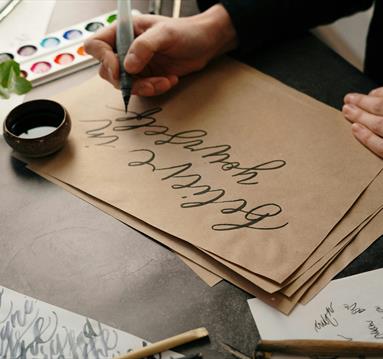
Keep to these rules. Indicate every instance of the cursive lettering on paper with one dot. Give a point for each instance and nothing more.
(183, 177)
(354, 308)
(202, 194)
(28, 330)
(326, 319)
(191, 140)
(374, 330)
(98, 133)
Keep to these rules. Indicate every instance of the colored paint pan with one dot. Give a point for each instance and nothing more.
(27, 50)
(112, 18)
(5, 57)
(81, 51)
(94, 26)
(59, 53)
(64, 59)
(41, 67)
(50, 42)
(72, 34)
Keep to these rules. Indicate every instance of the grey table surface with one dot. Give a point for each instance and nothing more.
(59, 249)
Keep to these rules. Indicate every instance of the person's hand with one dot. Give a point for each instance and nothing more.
(164, 48)
(366, 114)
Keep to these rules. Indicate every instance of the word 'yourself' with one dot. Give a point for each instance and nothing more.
(182, 176)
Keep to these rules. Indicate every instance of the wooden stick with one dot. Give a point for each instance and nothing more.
(321, 347)
(166, 344)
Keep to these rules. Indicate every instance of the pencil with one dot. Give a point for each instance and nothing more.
(166, 344)
(125, 37)
(321, 347)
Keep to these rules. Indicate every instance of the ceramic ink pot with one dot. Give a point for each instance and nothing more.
(37, 128)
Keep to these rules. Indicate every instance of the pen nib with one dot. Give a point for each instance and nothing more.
(126, 102)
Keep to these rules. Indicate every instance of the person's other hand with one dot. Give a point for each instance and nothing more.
(366, 114)
(164, 48)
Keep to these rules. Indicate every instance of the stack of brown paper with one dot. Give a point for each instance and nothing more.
(248, 180)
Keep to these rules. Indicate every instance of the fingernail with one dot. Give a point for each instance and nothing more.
(132, 62)
(356, 127)
(110, 72)
(349, 107)
(351, 98)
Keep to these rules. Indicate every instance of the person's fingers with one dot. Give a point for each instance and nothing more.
(109, 69)
(100, 46)
(153, 86)
(141, 23)
(368, 138)
(103, 72)
(157, 38)
(372, 104)
(377, 92)
(103, 40)
(372, 122)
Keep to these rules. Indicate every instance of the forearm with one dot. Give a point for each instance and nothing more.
(260, 21)
(219, 29)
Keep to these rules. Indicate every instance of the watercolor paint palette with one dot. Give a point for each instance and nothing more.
(59, 53)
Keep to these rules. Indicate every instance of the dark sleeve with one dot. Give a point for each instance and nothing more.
(261, 21)
(373, 65)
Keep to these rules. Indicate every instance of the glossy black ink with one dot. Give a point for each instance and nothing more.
(191, 140)
(203, 194)
(183, 176)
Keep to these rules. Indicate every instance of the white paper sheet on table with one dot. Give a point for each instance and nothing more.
(32, 328)
(20, 27)
(349, 308)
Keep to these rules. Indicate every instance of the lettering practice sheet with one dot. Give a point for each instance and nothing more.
(30, 328)
(347, 309)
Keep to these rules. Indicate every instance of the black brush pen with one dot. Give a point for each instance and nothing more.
(125, 37)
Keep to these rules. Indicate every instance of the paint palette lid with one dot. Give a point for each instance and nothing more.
(37, 128)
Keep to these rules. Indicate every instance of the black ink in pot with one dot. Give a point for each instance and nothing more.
(37, 128)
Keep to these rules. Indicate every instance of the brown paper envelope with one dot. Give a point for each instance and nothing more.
(302, 280)
(291, 289)
(278, 301)
(287, 304)
(367, 203)
(351, 251)
(362, 241)
(314, 141)
(294, 286)
(208, 277)
(267, 285)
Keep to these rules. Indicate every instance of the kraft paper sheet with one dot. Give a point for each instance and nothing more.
(239, 167)
(279, 301)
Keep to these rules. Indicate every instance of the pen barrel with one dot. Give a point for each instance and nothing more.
(125, 82)
(125, 32)
(124, 39)
(321, 347)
